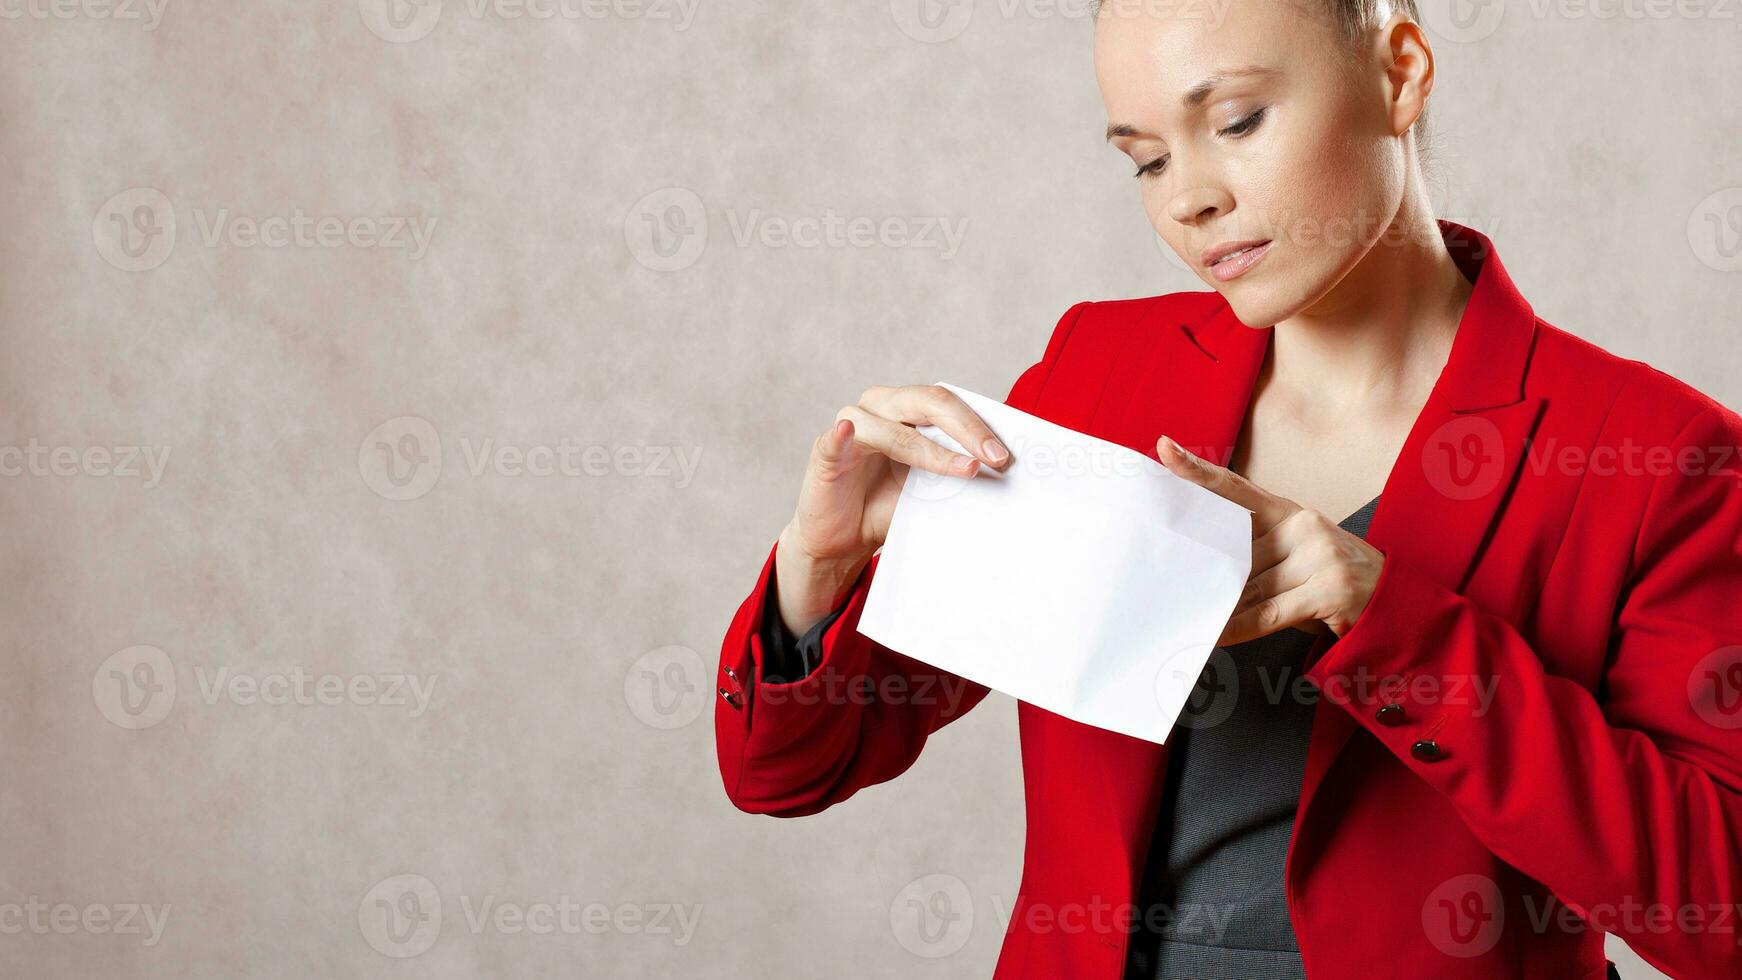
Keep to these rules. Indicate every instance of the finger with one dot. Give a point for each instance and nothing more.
(904, 444)
(830, 451)
(1289, 535)
(939, 406)
(1275, 580)
(1274, 613)
(1267, 508)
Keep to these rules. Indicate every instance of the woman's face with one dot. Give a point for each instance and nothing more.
(1282, 148)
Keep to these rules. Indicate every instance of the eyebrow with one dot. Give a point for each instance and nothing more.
(1197, 94)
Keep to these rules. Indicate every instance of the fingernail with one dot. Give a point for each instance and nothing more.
(966, 464)
(994, 450)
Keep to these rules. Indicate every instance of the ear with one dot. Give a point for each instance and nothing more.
(1402, 46)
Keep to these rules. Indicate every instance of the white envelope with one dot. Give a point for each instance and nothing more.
(1086, 579)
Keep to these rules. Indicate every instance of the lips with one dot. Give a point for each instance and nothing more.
(1217, 253)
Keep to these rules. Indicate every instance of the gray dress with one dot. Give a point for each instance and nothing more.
(1212, 899)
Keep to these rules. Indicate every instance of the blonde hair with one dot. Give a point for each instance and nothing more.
(1351, 22)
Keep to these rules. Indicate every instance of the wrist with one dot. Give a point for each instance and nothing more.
(808, 588)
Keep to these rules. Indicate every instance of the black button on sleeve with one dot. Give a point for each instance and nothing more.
(1427, 750)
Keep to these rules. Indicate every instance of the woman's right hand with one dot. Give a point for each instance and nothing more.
(852, 482)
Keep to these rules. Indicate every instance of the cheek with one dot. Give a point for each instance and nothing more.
(1335, 188)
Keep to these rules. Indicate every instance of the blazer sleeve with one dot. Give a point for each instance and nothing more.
(1627, 801)
(785, 657)
(863, 714)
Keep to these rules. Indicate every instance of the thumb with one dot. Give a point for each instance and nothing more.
(833, 446)
(1176, 457)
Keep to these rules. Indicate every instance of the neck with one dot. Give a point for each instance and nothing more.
(1381, 335)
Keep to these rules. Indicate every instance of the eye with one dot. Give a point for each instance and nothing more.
(1153, 167)
(1246, 125)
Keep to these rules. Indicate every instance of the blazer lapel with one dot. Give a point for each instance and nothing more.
(1456, 468)
(1199, 399)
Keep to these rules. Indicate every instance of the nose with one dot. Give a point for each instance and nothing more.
(1197, 205)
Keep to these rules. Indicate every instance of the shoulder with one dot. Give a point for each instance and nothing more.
(1187, 307)
(1118, 327)
(1636, 400)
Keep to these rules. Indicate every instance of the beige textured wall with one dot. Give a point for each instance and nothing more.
(343, 367)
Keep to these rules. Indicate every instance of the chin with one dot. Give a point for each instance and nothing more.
(1256, 306)
(1264, 297)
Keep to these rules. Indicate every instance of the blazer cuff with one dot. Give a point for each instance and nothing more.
(1391, 646)
(785, 658)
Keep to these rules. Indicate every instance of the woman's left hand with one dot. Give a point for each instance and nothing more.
(1306, 571)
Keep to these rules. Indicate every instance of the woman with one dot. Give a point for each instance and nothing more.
(1524, 727)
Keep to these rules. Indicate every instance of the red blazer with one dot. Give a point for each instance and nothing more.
(1563, 529)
